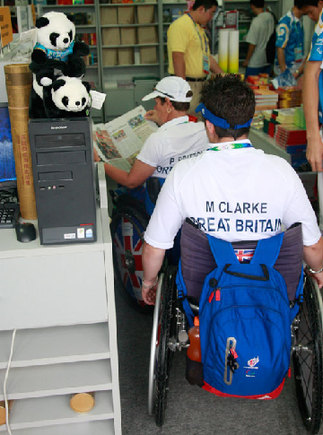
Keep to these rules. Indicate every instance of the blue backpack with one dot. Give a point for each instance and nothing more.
(245, 322)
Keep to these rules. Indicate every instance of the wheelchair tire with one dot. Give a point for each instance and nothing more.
(307, 357)
(127, 228)
(155, 334)
(165, 354)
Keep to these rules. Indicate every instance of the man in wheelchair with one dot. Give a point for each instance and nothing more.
(232, 191)
(177, 138)
(251, 315)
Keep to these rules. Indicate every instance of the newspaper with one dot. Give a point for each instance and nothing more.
(120, 140)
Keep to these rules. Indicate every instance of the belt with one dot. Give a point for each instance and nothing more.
(192, 79)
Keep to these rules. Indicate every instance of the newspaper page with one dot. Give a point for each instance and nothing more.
(120, 140)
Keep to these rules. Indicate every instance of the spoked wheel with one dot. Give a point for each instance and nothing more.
(307, 357)
(127, 228)
(164, 351)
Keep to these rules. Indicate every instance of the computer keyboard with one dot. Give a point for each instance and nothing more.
(9, 213)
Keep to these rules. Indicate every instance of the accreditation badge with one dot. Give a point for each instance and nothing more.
(298, 54)
(206, 64)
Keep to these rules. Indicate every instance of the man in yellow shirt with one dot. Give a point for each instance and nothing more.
(189, 54)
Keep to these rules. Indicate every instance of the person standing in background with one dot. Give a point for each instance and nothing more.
(260, 31)
(290, 41)
(313, 9)
(188, 48)
(313, 109)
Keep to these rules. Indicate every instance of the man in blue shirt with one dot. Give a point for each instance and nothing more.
(290, 41)
(313, 108)
(312, 9)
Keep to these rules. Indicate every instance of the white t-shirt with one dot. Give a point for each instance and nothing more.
(261, 29)
(235, 194)
(175, 140)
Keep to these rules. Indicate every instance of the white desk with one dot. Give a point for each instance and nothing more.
(261, 140)
(61, 301)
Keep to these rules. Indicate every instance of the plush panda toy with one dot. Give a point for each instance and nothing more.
(67, 97)
(55, 53)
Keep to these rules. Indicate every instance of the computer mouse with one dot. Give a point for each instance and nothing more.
(26, 232)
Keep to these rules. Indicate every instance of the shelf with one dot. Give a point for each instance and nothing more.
(106, 26)
(109, 5)
(92, 6)
(43, 346)
(132, 65)
(85, 26)
(130, 45)
(227, 2)
(53, 359)
(42, 412)
(57, 379)
(104, 427)
(174, 3)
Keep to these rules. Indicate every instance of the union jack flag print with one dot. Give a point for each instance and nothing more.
(128, 245)
(244, 255)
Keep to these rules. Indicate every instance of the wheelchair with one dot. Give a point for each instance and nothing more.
(130, 216)
(170, 334)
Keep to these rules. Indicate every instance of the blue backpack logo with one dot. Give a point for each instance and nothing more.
(245, 323)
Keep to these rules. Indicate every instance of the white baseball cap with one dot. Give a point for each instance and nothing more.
(172, 87)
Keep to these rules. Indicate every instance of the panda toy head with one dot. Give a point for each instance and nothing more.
(70, 94)
(55, 31)
(67, 97)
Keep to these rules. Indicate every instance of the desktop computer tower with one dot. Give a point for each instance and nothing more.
(63, 170)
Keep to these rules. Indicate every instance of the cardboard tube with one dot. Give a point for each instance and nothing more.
(18, 84)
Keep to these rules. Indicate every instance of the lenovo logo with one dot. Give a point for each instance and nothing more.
(59, 127)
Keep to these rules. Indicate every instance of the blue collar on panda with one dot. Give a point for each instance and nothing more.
(56, 54)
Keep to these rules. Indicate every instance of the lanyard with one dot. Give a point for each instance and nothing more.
(231, 146)
(199, 35)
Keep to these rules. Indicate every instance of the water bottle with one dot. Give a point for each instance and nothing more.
(194, 366)
(194, 349)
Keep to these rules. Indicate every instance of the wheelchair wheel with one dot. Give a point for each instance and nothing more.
(127, 228)
(165, 353)
(307, 357)
(155, 335)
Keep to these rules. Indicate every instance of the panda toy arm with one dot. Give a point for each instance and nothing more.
(81, 49)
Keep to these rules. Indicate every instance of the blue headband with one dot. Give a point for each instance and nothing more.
(219, 122)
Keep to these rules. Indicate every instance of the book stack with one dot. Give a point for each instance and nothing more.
(270, 122)
(265, 99)
(299, 118)
(261, 80)
(285, 116)
(289, 97)
(293, 139)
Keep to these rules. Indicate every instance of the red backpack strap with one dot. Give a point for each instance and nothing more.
(192, 118)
